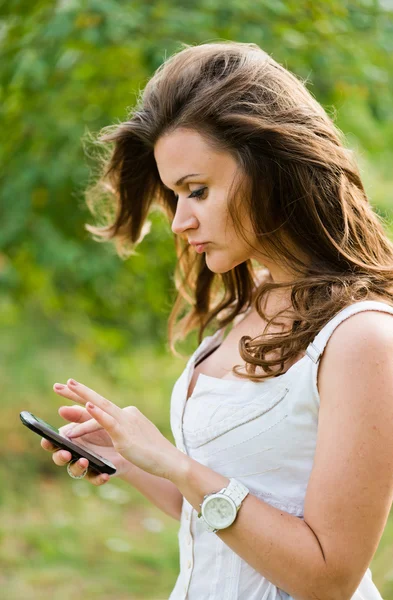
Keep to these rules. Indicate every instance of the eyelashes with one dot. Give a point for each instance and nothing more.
(195, 194)
(198, 193)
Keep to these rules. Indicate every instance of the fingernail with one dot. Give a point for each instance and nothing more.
(72, 382)
(59, 386)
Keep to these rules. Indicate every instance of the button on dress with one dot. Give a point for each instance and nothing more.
(263, 434)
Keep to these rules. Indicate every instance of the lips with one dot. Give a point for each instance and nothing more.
(199, 246)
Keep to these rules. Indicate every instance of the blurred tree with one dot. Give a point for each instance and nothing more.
(71, 67)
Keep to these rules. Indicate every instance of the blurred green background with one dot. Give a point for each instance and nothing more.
(70, 307)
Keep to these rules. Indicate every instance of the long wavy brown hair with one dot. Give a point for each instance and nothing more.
(301, 185)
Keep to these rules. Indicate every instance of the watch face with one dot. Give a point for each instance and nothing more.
(219, 511)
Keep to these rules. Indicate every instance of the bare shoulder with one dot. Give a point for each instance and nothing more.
(358, 338)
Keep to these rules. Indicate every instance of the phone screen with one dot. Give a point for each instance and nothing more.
(46, 424)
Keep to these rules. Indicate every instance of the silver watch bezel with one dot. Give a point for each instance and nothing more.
(212, 497)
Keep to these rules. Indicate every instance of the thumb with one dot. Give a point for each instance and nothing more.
(74, 414)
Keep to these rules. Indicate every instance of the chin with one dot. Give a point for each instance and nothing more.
(221, 266)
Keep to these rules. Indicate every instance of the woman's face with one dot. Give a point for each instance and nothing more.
(202, 215)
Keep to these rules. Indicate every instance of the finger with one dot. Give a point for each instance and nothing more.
(79, 467)
(64, 391)
(85, 428)
(109, 423)
(92, 476)
(97, 478)
(47, 445)
(90, 395)
(76, 415)
(61, 457)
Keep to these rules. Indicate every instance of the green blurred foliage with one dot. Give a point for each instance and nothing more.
(70, 67)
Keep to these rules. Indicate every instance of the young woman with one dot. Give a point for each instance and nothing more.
(282, 470)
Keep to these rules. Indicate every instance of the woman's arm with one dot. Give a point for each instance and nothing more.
(350, 490)
(161, 492)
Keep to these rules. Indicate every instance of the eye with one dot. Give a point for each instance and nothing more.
(198, 193)
(195, 194)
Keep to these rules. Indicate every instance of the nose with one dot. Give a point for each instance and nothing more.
(183, 220)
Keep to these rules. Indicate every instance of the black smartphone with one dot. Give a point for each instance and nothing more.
(96, 462)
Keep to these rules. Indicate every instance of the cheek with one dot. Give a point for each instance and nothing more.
(223, 223)
(234, 238)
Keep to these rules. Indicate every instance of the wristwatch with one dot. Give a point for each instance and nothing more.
(219, 510)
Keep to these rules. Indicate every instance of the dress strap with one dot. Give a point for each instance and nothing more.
(315, 349)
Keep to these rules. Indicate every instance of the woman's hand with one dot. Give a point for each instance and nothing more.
(133, 436)
(98, 442)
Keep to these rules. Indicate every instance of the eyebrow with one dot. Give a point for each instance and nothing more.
(182, 179)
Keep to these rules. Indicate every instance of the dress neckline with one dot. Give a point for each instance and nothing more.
(208, 382)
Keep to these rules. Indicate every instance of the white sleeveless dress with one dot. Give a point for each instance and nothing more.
(263, 434)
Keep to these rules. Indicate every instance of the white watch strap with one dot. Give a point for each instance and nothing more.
(236, 491)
